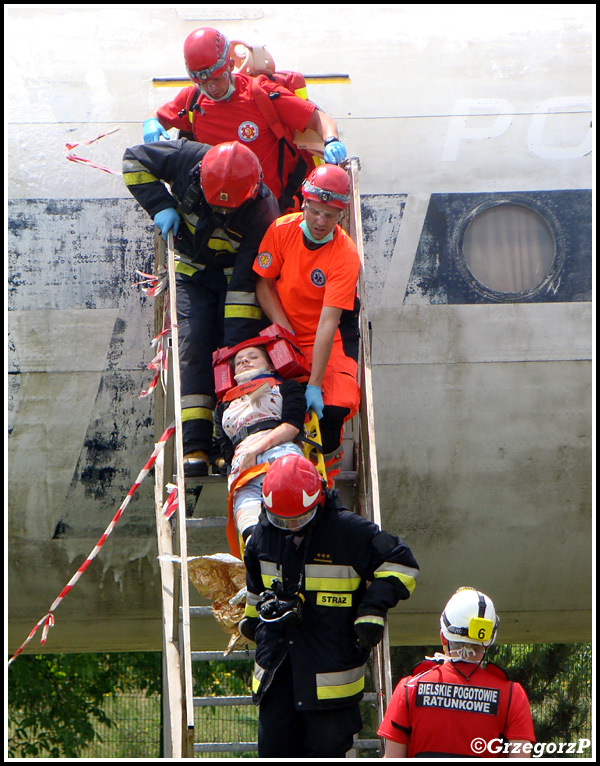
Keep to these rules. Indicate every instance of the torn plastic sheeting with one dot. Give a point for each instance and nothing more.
(221, 578)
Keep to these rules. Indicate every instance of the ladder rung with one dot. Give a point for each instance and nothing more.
(198, 611)
(347, 477)
(219, 656)
(196, 481)
(224, 747)
(207, 523)
(229, 747)
(366, 744)
(221, 701)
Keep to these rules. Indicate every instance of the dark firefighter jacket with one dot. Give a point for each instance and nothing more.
(205, 239)
(338, 554)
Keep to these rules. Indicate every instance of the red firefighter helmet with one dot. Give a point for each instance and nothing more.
(329, 184)
(292, 491)
(206, 54)
(230, 174)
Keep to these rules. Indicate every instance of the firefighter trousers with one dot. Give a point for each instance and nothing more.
(202, 329)
(285, 732)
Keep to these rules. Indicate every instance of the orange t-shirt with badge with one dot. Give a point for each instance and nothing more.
(307, 279)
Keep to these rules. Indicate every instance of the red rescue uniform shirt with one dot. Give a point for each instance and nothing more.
(437, 712)
(239, 119)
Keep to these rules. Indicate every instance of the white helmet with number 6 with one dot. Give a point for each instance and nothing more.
(470, 618)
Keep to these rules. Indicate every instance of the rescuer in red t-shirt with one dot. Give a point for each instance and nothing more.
(454, 706)
(221, 106)
(307, 269)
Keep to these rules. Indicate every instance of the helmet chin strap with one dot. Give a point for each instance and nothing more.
(461, 654)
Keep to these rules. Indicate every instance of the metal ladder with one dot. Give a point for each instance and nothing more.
(178, 700)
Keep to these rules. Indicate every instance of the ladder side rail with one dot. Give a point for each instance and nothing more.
(184, 625)
(365, 364)
(368, 473)
(172, 688)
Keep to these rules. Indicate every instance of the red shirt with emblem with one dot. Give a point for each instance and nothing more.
(438, 712)
(239, 119)
(307, 279)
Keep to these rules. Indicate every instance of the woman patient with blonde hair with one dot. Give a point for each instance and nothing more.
(255, 423)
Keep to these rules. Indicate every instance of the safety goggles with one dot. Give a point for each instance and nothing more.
(332, 217)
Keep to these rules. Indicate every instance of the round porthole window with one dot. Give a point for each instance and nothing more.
(508, 248)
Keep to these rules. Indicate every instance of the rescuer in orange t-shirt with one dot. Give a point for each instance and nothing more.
(307, 270)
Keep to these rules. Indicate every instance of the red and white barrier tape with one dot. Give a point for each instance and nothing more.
(48, 619)
(160, 361)
(74, 158)
(171, 502)
(156, 284)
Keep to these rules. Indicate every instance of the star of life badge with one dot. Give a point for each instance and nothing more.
(248, 131)
(264, 259)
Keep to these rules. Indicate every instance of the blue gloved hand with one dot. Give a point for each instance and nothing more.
(166, 220)
(335, 151)
(314, 400)
(153, 130)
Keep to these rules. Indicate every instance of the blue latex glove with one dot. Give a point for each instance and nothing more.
(335, 151)
(153, 130)
(166, 220)
(314, 400)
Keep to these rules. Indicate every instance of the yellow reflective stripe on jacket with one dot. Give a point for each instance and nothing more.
(190, 221)
(269, 572)
(137, 179)
(217, 243)
(251, 601)
(186, 268)
(331, 578)
(134, 173)
(344, 683)
(406, 575)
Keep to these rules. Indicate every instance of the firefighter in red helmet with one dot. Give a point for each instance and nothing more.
(222, 105)
(218, 209)
(320, 581)
(230, 174)
(307, 270)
